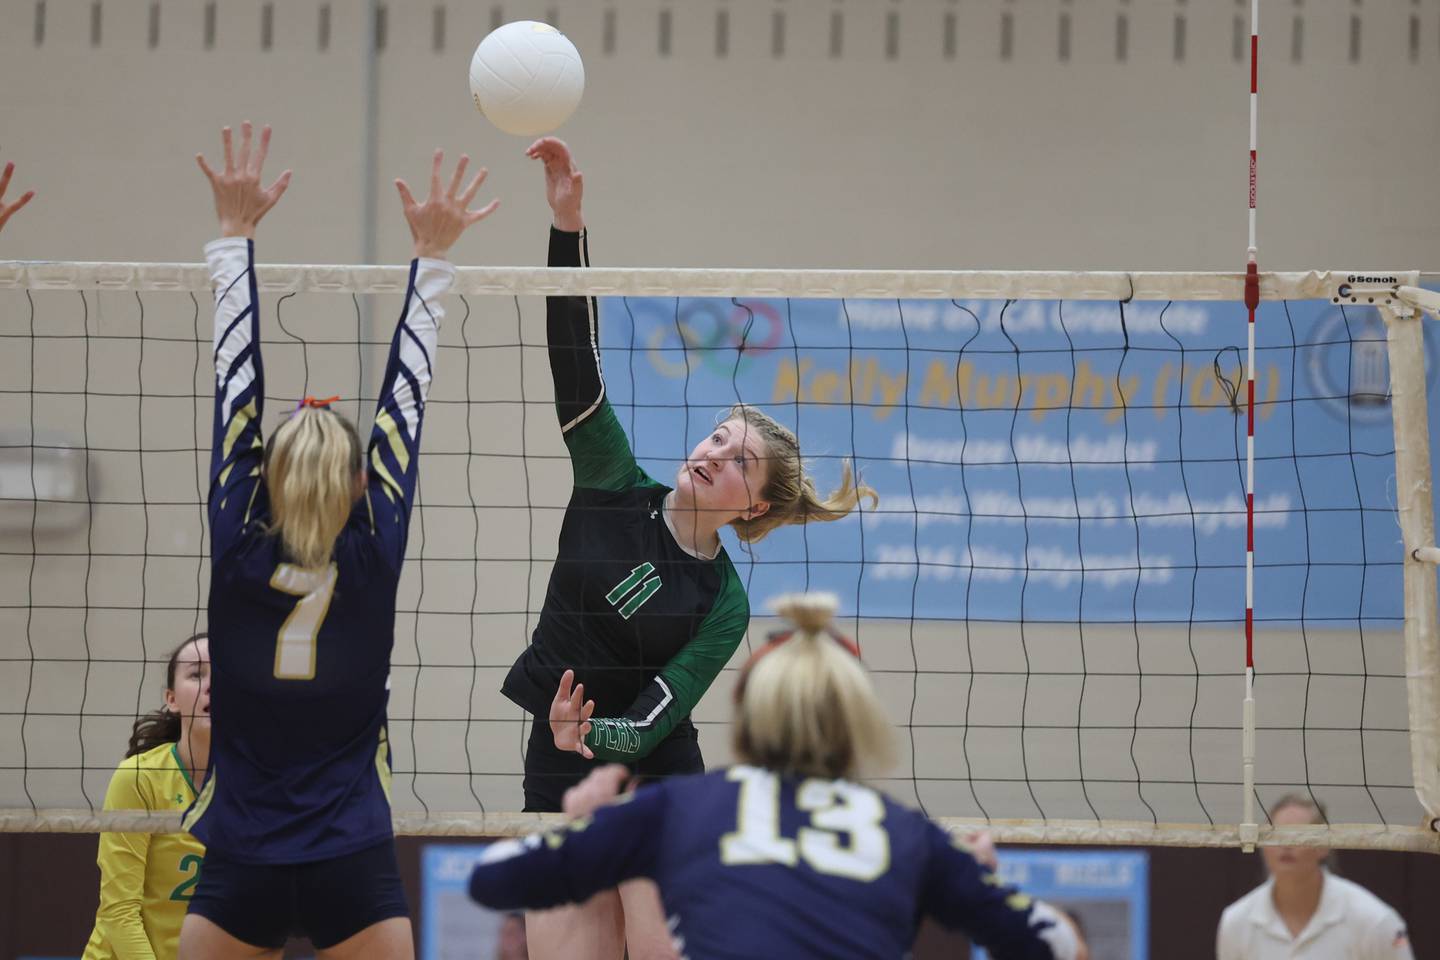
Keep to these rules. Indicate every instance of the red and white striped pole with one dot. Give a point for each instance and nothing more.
(1249, 829)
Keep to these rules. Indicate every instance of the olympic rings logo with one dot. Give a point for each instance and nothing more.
(724, 339)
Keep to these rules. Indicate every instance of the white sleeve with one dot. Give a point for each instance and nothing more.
(1387, 939)
(1060, 935)
(1227, 940)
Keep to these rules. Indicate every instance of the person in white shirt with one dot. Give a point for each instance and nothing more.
(1305, 912)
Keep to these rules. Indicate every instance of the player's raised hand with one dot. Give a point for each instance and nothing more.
(599, 788)
(240, 201)
(564, 185)
(8, 210)
(570, 716)
(438, 222)
(981, 846)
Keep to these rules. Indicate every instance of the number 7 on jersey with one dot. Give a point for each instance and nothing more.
(295, 645)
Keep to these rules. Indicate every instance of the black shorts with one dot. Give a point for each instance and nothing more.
(549, 771)
(328, 901)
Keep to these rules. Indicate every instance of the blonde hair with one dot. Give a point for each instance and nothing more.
(788, 488)
(1304, 802)
(311, 463)
(805, 706)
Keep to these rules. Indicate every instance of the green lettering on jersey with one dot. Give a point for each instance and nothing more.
(637, 599)
(186, 888)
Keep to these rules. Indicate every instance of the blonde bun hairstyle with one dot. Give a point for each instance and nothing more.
(805, 706)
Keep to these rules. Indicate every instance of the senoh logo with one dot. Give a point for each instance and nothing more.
(1366, 278)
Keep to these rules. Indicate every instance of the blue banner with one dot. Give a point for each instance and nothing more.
(1106, 893)
(452, 926)
(1045, 461)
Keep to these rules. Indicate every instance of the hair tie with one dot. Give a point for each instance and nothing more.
(315, 402)
(776, 639)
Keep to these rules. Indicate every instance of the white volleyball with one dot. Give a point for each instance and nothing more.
(527, 78)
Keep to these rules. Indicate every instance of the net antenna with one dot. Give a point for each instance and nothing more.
(1249, 828)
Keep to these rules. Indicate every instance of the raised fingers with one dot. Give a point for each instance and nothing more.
(435, 173)
(276, 190)
(243, 163)
(475, 216)
(406, 197)
(227, 138)
(204, 168)
(259, 162)
(566, 679)
(459, 176)
(474, 187)
(5, 179)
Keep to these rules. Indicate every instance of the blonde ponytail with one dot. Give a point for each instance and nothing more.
(804, 704)
(791, 493)
(311, 465)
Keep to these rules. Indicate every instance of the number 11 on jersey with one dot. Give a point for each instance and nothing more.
(295, 645)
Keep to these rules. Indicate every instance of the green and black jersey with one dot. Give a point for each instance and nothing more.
(645, 625)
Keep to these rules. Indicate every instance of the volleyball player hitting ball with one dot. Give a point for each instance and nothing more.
(307, 539)
(146, 880)
(643, 601)
(786, 854)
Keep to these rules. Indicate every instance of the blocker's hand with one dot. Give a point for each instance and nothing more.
(982, 848)
(8, 210)
(438, 222)
(599, 788)
(240, 202)
(570, 716)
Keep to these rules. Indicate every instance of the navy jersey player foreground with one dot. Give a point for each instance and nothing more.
(307, 538)
(783, 855)
(643, 602)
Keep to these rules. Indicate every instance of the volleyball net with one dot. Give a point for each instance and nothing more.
(1050, 595)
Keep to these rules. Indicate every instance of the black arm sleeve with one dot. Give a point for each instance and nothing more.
(572, 331)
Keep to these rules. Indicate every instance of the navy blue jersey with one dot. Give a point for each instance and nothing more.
(752, 864)
(299, 756)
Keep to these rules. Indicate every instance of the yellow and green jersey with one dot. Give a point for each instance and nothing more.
(146, 880)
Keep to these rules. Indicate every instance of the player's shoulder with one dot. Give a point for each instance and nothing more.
(1362, 902)
(144, 776)
(730, 595)
(158, 758)
(1236, 915)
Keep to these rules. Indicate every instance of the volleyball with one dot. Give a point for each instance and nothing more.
(527, 78)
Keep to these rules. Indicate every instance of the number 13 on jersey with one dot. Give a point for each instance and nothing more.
(295, 645)
(839, 811)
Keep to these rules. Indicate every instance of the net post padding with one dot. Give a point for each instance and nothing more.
(1406, 343)
(1346, 836)
(751, 284)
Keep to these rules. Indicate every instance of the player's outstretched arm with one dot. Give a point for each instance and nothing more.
(617, 842)
(599, 450)
(8, 210)
(393, 458)
(240, 204)
(963, 894)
